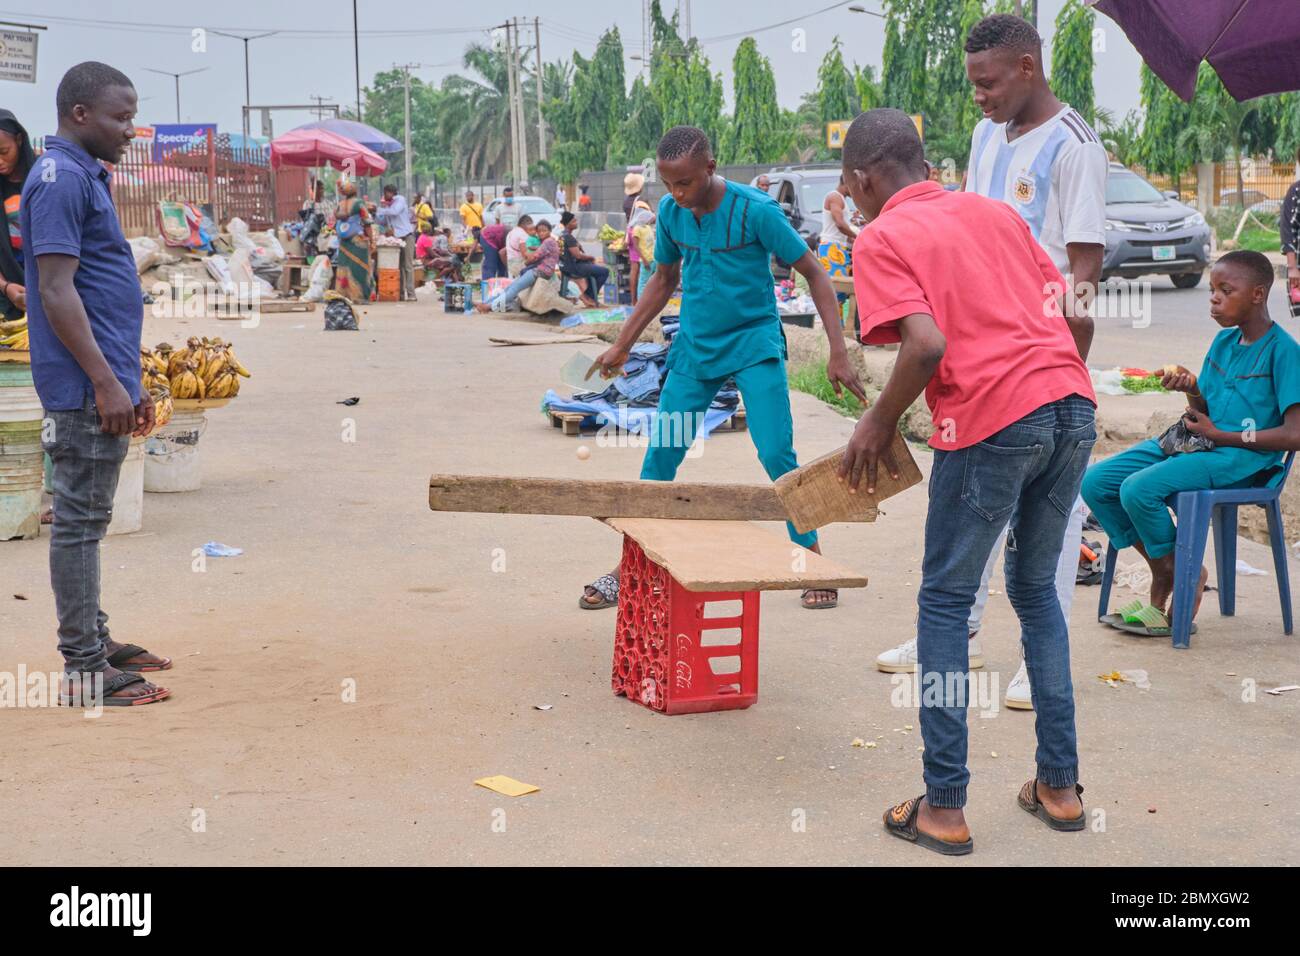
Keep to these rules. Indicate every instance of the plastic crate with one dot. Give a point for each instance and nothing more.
(390, 285)
(665, 656)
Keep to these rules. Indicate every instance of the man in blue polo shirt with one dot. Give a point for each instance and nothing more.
(85, 315)
(718, 237)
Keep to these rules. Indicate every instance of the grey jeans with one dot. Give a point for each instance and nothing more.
(87, 462)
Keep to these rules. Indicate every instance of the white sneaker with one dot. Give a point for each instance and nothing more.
(902, 659)
(1018, 691)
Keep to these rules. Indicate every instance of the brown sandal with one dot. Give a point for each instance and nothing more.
(901, 822)
(1029, 802)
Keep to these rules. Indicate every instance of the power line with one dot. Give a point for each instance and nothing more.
(772, 26)
(174, 28)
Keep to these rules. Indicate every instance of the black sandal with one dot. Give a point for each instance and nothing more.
(1029, 802)
(124, 653)
(822, 605)
(607, 587)
(901, 822)
(111, 687)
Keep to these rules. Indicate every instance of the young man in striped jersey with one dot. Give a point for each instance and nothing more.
(1039, 156)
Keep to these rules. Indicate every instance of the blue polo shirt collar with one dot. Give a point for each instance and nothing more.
(87, 162)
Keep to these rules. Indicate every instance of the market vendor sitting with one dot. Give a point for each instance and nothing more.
(1243, 414)
(434, 251)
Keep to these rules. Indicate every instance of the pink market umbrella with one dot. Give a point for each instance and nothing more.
(1254, 45)
(320, 147)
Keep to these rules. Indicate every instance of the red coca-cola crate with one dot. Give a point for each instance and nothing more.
(668, 655)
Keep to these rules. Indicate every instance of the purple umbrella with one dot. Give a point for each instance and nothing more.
(367, 136)
(1254, 45)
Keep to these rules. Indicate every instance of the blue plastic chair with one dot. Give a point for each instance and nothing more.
(1195, 512)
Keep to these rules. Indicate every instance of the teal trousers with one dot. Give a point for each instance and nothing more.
(682, 405)
(1127, 493)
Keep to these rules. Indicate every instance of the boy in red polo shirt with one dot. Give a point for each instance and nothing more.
(959, 280)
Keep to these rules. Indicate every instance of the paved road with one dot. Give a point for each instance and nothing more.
(1179, 329)
(454, 626)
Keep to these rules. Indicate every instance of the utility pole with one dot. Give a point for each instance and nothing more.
(645, 34)
(684, 8)
(320, 109)
(406, 112)
(514, 121)
(541, 125)
(356, 56)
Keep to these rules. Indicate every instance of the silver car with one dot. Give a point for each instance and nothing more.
(1148, 231)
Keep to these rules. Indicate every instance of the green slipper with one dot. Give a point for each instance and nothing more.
(1148, 621)
(1119, 617)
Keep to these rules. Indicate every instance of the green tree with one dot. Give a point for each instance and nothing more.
(1121, 138)
(592, 110)
(682, 83)
(968, 113)
(384, 108)
(870, 95)
(1072, 58)
(755, 134)
(1287, 140)
(474, 119)
(1164, 117)
(837, 94)
(1220, 127)
(639, 133)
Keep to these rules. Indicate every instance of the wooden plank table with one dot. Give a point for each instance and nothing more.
(733, 556)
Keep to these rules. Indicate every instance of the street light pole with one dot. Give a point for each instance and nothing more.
(177, 78)
(248, 95)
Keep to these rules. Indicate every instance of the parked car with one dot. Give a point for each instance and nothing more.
(534, 206)
(801, 190)
(1150, 232)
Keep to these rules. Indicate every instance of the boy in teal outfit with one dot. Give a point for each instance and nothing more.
(718, 237)
(1246, 401)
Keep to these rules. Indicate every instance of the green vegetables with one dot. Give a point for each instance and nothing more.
(1150, 383)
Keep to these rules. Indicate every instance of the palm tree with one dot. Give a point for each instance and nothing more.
(475, 115)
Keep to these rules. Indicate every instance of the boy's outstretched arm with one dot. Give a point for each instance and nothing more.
(838, 370)
(919, 356)
(658, 290)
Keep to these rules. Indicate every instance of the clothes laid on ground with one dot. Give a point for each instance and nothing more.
(1242, 384)
(631, 400)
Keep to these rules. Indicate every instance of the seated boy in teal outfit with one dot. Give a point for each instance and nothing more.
(1246, 401)
(718, 237)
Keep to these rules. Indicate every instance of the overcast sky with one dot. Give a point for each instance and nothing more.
(292, 67)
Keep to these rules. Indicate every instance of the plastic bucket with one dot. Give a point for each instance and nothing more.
(128, 503)
(18, 399)
(21, 479)
(171, 459)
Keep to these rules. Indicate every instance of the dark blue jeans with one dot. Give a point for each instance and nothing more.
(1029, 472)
(493, 267)
(86, 466)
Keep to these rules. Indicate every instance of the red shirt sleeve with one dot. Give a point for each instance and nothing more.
(886, 288)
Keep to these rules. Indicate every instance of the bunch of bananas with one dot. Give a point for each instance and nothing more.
(13, 335)
(204, 368)
(159, 387)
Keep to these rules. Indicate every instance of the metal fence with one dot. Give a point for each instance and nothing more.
(1262, 181)
(228, 182)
